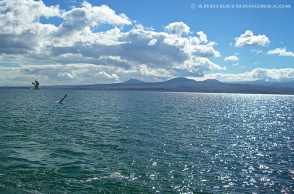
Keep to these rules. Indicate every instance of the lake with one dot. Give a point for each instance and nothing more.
(145, 142)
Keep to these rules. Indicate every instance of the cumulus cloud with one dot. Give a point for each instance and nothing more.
(177, 28)
(78, 19)
(19, 16)
(64, 74)
(249, 39)
(281, 52)
(231, 58)
(78, 51)
(203, 37)
(112, 76)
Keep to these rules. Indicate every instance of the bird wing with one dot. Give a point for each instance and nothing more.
(62, 98)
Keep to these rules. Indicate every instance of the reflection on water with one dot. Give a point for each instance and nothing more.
(145, 142)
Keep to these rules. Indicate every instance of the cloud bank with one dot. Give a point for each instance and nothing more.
(285, 74)
(91, 46)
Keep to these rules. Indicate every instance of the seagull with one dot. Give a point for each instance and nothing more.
(60, 101)
(36, 85)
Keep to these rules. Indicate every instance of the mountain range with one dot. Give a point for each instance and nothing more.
(181, 84)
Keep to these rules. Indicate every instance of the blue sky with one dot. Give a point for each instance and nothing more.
(107, 41)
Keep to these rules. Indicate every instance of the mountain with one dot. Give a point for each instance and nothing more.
(133, 81)
(179, 80)
(212, 81)
(184, 85)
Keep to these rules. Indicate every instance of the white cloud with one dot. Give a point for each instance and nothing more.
(257, 51)
(194, 40)
(152, 42)
(281, 52)
(231, 58)
(112, 76)
(20, 16)
(80, 51)
(248, 39)
(77, 20)
(285, 74)
(74, 53)
(198, 65)
(203, 37)
(65, 75)
(177, 28)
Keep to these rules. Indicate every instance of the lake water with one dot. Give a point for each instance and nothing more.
(145, 142)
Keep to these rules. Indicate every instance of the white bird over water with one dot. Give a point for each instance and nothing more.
(60, 101)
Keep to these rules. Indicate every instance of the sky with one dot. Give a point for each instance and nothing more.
(74, 42)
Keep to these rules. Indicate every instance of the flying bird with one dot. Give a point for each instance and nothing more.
(60, 101)
(36, 85)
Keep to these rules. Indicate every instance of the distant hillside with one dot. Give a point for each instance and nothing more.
(133, 81)
(179, 80)
(184, 85)
(189, 85)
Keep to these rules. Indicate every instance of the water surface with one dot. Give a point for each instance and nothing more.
(145, 142)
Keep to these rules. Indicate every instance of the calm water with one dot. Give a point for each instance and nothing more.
(145, 142)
